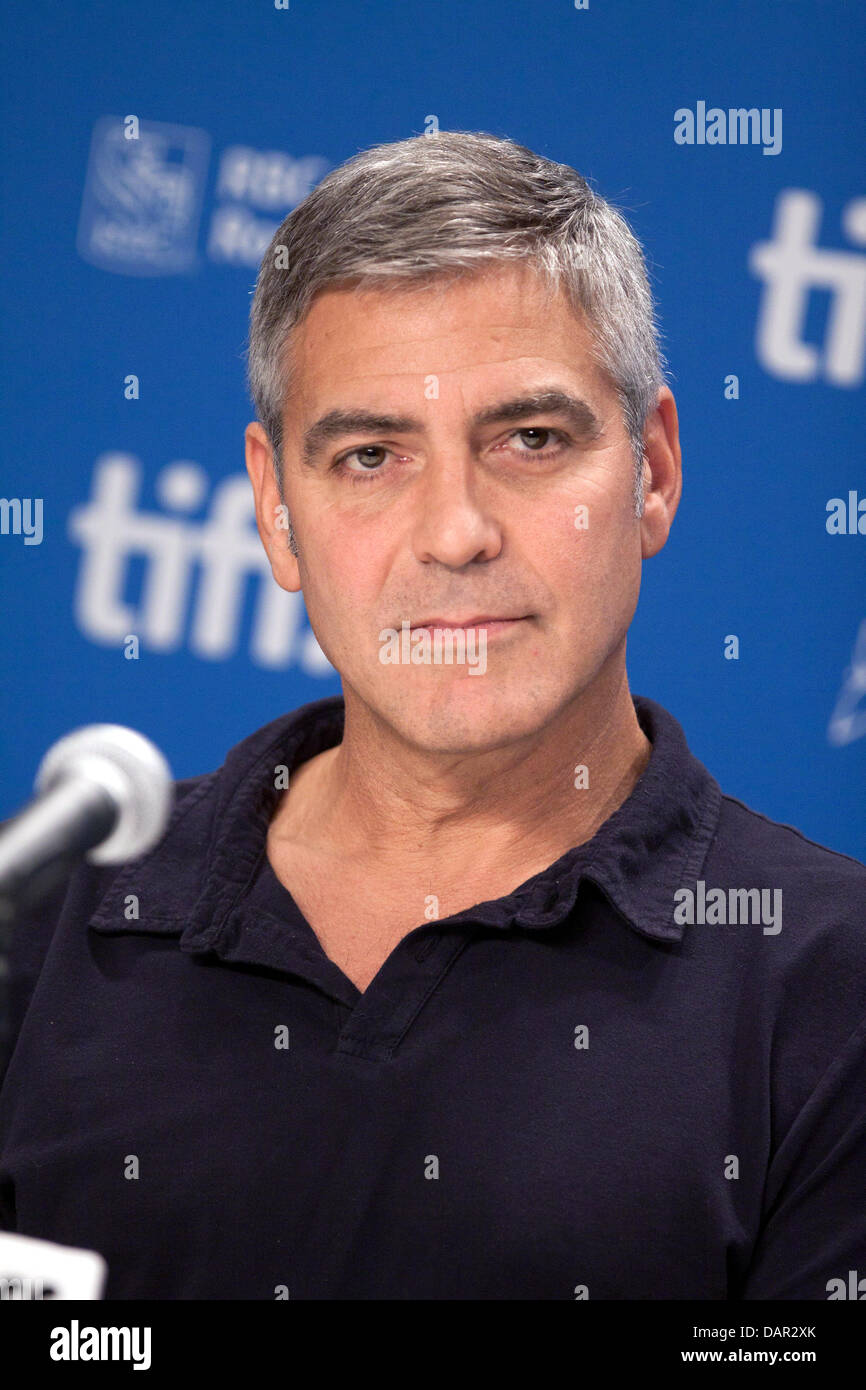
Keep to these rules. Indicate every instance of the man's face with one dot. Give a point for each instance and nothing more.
(446, 514)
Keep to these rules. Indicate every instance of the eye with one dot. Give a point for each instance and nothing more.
(363, 472)
(361, 464)
(544, 430)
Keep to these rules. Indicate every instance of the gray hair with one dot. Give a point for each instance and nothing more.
(441, 205)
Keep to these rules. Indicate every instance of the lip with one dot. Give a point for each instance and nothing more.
(491, 624)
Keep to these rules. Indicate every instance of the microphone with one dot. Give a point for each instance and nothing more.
(103, 793)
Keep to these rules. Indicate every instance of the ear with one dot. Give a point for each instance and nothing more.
(663, 477)
(272, 518)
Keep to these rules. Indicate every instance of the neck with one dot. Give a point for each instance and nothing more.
(376, 800)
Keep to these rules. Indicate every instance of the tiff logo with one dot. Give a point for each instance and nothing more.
(223, 551)
(791, 266)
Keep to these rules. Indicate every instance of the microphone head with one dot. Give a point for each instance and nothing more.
(130, 770)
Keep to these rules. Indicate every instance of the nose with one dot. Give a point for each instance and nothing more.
(454, 522)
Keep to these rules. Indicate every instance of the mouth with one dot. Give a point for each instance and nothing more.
(490, 625)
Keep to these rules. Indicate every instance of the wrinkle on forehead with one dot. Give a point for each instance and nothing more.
(444, 355)
(351, 337)
(459, 369)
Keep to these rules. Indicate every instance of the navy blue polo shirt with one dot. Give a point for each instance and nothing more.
(570, 1092)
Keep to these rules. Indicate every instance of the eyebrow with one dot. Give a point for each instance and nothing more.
(551, 400)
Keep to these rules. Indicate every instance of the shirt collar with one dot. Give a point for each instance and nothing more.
(654, 844)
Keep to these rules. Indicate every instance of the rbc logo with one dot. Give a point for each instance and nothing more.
(144, 190)
(848, 721)
(225, 546)
(142, 198)
(791, 266)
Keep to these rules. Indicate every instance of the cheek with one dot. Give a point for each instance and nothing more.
(343, 576)
(587, 551)
(572, 540)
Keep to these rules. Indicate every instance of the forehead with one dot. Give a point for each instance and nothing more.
(491, 328)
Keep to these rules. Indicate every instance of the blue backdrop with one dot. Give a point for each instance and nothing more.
(136, 259)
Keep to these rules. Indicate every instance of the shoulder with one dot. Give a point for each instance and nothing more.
(77, 899)
(804, 984)
(822, 885)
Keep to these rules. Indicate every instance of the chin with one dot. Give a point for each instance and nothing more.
(469, 715)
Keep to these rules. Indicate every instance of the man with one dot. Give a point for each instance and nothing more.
(470, 983)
